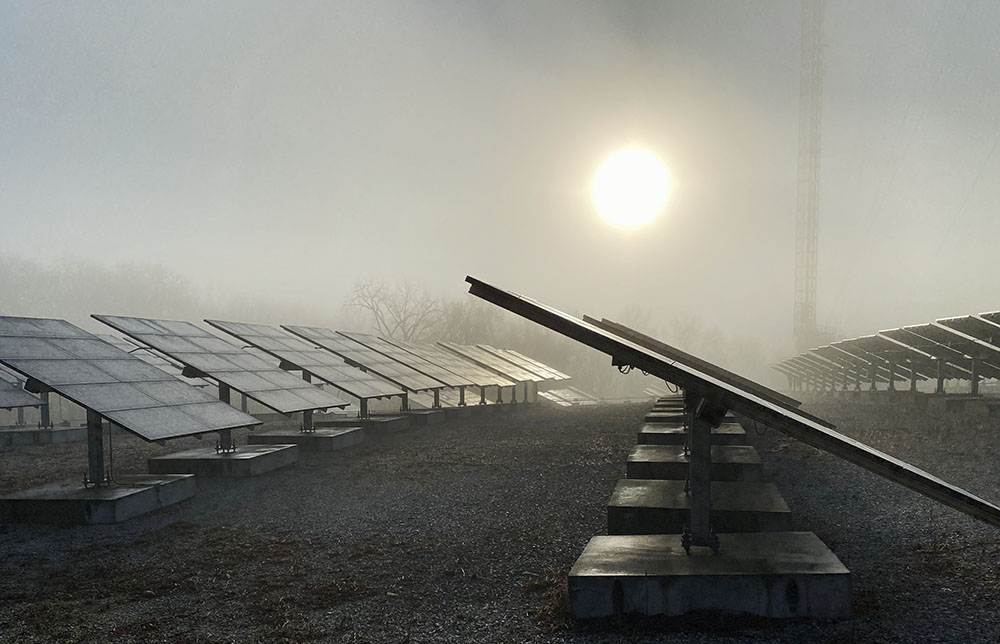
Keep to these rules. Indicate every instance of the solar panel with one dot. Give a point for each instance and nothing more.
(424, 366)
(227, 363)
(480, 376)
(486, 359)
(957, 364)
(302, 355)
(852, 347)
(11, 393)
(720, 396)
(949, 337)
(985, 333)
(862, 368)
(552, 397)
(116, 385)
(538, 375)
(555, 374)
(149, 357)
(369, 359)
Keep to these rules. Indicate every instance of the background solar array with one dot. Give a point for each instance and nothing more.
(120, 387)
(490, 361)
(479, 375)
(357, 353)
(552, 372)
(305, 355)
(155, 359)
(438, 372)
(227, 363)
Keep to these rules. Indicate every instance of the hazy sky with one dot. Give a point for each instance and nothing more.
(293, 148)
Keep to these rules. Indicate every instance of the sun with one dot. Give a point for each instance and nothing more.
(631, 187)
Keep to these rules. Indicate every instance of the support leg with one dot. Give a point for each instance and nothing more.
(939, 389)
(226, 443)
(699, 530)
(95, 450)
(45, 418)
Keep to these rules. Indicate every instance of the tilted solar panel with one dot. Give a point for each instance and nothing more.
(424, 366)
(725, 395)
(539, 375)
(358, 354)
(227, 363)
(554, 373)
(508, 369)
(303, 355)
(480, 376)
(120, 387)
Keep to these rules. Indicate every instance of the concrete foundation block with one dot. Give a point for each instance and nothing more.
(643, 506)
(249, 460)
(13, 436)
(671, 434)
(321, 440)
(423, 417)
(374, 425)
(769, 574)
(68, 502)
(729, 463)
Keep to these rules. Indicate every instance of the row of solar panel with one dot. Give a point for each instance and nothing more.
(965, 348)
(139, 386)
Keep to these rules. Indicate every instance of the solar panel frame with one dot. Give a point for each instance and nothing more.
(479, 375)
(725, 395)
(303, 355)
(950, 337)
(110, 382)
(358, 354)
(226, 363)
(430, 369)
(851, 346)
(955, 365)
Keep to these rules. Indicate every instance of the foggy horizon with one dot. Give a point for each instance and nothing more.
(281, 155)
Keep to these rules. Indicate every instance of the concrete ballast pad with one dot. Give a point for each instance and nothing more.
(248, 460)
(673, 434)
(321, 440)
(770, 574)
(642, 506)
(68, 502)
(729, 463)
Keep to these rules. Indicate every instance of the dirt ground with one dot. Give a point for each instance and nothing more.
(464, 532)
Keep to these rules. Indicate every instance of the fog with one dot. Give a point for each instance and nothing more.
(261, 158)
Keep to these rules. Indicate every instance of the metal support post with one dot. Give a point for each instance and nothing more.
(307, 415)
(20, 416)
(45, 418)
(461, 396)
(857, 377)
(872, 376)
(482, 395)
(244, 405)
(226, 443)
(95, 450)
(437, 399)
(913, 377)
(975, 377)
(892, 376)
(939, 389)
(364, 407)
(699, 531)
(499, 394)
(405, 405)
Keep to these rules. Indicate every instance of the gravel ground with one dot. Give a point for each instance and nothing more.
(464, 532)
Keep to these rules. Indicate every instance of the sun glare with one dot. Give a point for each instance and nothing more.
(630, 187)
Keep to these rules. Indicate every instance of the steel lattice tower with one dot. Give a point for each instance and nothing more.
(807, 205)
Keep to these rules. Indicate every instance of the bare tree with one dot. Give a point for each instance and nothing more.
(404, 312)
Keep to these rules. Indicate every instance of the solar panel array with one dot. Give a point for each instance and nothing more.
(227, 363)
(358, 354)
(120, 387)
(424, 366)
(959, 348)
(11, 393)
(729, 396)
(490, 361)
(303, 355)
(478, 375)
